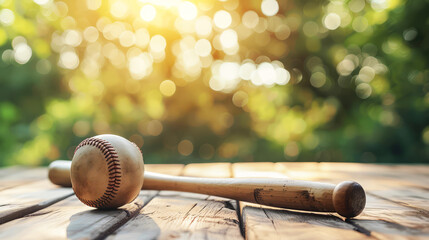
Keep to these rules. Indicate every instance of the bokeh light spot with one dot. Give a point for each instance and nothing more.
(246, 70)
(356, 5)
(318, 79)
(240, 98)
(203, 26)
(167, 88)
(157, 43)
(332, 21)
(203, 47)
(206, 151)
(228, 39)
(148, 13)
(269, 7)
(250, 19)
(222, 19)
(360, 24)
(228, 150)
(154, 128)
(22, 53)
(291, 149)
(72, 38)
(93, 4)
(185, 147)
(142, 37)
(363, 90)
(119, 9)
(6, 17)
(69, 60)
(187, 10)
(81, 128)
(41, 2)
(366, 74)
(282, 32)
(282, 76)
(127, 39)
(90, 34)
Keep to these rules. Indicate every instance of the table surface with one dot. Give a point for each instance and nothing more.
(397, 206)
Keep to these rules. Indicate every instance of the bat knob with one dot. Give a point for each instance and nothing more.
(349, 199)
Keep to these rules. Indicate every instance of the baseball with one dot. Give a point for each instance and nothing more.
(107, 171)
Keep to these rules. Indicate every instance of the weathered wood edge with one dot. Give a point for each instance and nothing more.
(151, 167)
(13, 214)
(19, 213)
(366, 173)
(420, 210)
(201, 201)
(241, 208)
(17, 176)
(108, 225)
(130, 215)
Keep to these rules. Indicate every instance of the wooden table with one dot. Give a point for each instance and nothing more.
(397, 206)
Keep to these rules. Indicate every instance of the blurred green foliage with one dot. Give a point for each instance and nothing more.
(216, 81)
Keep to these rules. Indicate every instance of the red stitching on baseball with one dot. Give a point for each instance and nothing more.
(113, 166)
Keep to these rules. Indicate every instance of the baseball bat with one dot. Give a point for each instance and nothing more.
(347, 198)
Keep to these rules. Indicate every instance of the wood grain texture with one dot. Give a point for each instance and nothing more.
(384, 181)
(6, 171)
(15, 176)
(261, 222)
(73, 220)
(396, 205)
(171, 169)
(178, 215)
(25, 199)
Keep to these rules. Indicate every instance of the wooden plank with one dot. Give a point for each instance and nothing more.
(384, 172)
(19, 199)
(402, 188)
(388, 214)
(70, 218)
(393, 169)
(262, 222)
(6, 171)
(414, 176)
(212, 170)
(15, 176)
(25, 199)
(171, 169)
(185, 215)
(387, 220)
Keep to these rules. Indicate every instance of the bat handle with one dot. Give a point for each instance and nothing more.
(347, 198)
(59, 173)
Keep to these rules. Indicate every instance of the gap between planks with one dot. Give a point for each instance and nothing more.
(268, 222)
(74, 220)
(385, 216)
(181, 215)
(26, 190)
(266, 212)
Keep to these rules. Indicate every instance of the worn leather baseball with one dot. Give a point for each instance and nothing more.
(107, 171)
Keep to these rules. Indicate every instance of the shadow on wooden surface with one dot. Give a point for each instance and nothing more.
(79, 221)
(388, 228)
(397, 207)
(279, 223)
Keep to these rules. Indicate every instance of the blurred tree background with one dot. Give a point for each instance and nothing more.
(197, 81)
